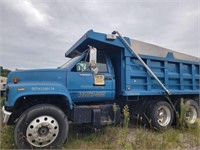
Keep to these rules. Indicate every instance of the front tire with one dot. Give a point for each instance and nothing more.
(41, 126)
(161, 115)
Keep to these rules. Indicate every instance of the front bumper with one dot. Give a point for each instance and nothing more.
(5, 115)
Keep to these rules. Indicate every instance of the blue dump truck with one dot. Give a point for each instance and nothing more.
(104, 72)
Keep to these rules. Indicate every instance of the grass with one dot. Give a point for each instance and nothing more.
(6, 140)
(114, 138)
(119, 137)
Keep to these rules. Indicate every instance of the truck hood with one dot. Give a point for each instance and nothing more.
(39, 75)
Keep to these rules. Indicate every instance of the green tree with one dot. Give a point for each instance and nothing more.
(4, 72)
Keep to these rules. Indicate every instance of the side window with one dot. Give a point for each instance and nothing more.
(84, 64)
(101, 63)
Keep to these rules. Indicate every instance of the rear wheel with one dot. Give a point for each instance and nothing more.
(191, 112)
(41, 126)
(161, 115)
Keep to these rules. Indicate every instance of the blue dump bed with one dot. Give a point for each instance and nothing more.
(178, 72)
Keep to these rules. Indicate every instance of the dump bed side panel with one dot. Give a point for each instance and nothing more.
(178, 75)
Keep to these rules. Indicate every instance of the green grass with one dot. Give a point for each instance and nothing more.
(6, 140)
(115, 138)
(111, 137)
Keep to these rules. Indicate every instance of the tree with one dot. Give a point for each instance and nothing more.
(4, 72)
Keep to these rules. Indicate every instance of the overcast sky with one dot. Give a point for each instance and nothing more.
(37, 33)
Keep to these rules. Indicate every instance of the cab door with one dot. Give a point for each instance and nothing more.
(85, 86)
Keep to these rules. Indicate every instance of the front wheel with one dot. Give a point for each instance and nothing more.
(41, 126)
(161, 115)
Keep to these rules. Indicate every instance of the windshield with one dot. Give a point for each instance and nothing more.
(70, 61)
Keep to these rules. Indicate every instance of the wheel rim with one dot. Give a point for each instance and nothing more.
(191, 115)
(163, 116)
(42, 131)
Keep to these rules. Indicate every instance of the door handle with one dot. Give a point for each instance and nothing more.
(108, 78)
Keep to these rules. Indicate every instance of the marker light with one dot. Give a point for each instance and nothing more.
(15, 80)
(110, 36)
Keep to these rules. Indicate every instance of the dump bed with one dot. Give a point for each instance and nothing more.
(178, 72)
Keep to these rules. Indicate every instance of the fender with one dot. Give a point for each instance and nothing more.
(19, 90)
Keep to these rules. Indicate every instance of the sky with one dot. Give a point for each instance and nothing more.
(37, 33)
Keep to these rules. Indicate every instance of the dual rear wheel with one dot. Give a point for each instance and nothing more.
(161, 114)
(189, 111)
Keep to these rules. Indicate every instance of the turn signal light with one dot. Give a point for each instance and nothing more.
(15, 80)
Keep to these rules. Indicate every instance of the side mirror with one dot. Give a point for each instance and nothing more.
(93, 59)
(80, 67)
(95, 71)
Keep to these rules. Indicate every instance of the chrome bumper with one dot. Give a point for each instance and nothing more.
(5, 115)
